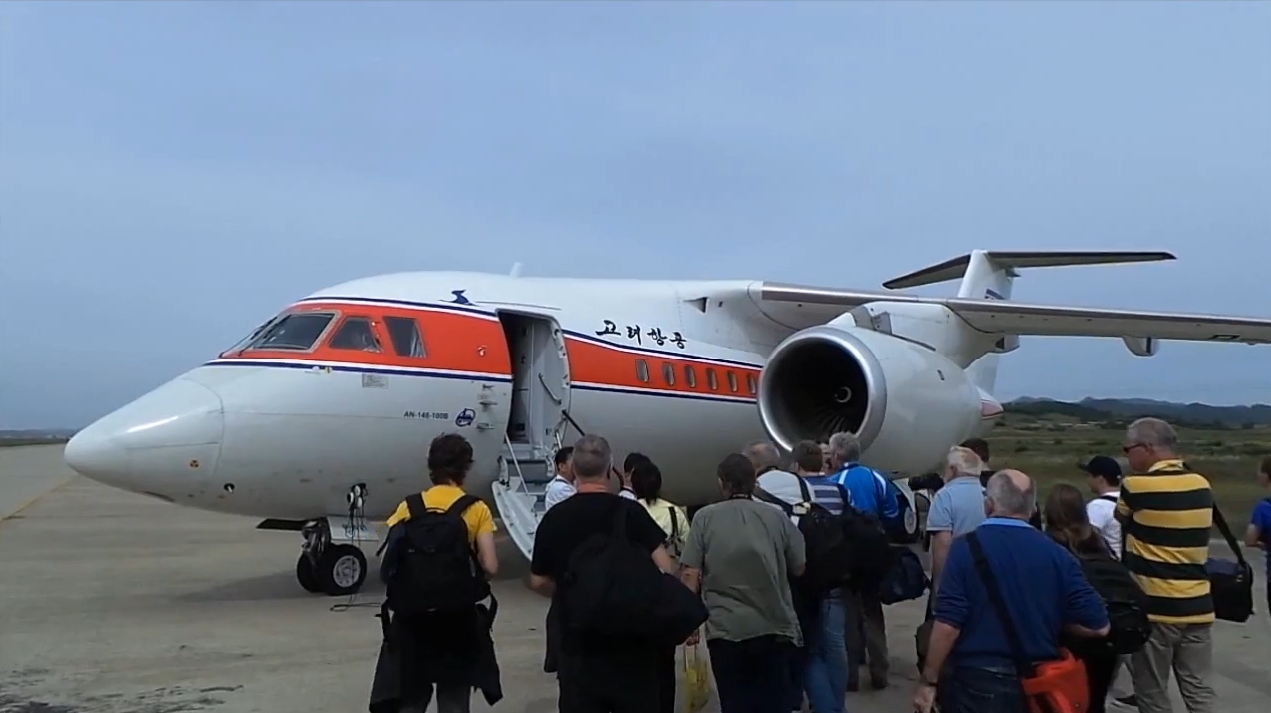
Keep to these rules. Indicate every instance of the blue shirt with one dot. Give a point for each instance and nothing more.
(1042, 584)
(1262, 520)
(826, 493)
(958, 507)
(864, 485)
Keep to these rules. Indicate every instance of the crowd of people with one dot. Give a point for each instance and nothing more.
(1021, 607)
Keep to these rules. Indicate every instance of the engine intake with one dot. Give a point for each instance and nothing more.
(906, 403)
(819, 382)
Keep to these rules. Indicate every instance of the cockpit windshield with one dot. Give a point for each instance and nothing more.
(297, 331)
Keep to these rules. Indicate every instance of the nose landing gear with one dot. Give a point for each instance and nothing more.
(334, 569)
(330, 567)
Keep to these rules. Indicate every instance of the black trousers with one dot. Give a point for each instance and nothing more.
(1101, 668)
(666, 681)
(597, 684)
(752, 676)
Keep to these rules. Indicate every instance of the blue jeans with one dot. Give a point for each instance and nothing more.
(825, 675)
(980, 690)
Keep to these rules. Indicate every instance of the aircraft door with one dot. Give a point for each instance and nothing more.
(540, 400)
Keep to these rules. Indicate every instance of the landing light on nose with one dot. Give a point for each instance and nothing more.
(157, 444)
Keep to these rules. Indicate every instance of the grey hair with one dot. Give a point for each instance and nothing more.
(763, 455)
(1153, 433)
(1008, 498)
(592, 457)
(845, 447)
(964, 461)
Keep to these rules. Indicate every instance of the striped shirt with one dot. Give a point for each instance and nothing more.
(1166, 516)
(826, 492)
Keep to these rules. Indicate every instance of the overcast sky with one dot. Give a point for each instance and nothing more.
(171, 174)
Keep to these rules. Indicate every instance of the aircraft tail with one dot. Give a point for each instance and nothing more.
(989, 275)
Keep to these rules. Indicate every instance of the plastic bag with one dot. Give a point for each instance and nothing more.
(697, 678)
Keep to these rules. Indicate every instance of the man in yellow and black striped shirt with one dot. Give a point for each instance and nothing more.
(1166, 512)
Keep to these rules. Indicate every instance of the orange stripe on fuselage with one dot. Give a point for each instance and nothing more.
(465, 342)
(593, 364)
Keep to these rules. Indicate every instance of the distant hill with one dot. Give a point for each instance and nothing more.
(1191, 414)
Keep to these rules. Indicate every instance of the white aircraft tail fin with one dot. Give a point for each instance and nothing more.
(988, 275)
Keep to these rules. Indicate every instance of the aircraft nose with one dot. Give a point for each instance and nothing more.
(154, 443)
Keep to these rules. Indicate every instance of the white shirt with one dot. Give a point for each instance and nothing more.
(1102, 514)
(628, 494)
(557, 491)
(784, 486)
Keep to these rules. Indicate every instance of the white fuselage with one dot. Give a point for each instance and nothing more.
(282, 426)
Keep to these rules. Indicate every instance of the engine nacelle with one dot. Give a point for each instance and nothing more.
(906, 403)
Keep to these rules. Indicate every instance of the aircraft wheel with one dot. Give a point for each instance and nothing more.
(341, 570)
(306, 576)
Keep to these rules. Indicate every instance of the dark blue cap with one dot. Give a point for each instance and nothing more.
(1103, 466)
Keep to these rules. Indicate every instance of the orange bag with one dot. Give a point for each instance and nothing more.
(1059, 686)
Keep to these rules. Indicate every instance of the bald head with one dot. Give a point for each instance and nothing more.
(763, 455)
(1011, 494)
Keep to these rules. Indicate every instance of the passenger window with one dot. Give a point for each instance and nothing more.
(642, 370)
(668, 373)
(751, 386)
(732, 381)
(295, 332)
(690, 376)
(711, 382)
(356, 334)
(404, 333)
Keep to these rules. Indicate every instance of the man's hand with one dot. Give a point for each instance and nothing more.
(693, 638)
(924, 698)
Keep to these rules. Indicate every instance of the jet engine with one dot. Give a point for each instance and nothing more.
(906, 403)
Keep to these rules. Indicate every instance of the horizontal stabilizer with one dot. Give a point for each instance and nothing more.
(957, 267)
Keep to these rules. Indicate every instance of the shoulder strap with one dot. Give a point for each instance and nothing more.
(768, 497)
(462, 504)
(1023, 667)
(1109, 498)
(804, 492)
(1225, 531)
(415, 505)
(620, 522)
(675, 522)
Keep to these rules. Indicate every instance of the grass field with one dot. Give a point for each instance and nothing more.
(1049, 447)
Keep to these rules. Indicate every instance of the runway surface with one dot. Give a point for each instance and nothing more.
(117, 603)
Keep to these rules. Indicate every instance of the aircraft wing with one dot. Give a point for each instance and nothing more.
(1005, 317)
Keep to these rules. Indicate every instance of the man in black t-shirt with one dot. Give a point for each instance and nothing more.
(595, 675)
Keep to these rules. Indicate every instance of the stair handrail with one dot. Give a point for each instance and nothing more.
(512, 454)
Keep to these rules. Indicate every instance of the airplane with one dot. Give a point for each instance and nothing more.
(319, 421)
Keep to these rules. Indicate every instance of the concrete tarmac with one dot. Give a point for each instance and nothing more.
(117, 603)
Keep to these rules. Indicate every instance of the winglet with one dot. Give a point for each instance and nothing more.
(516, 270)
(957, 267)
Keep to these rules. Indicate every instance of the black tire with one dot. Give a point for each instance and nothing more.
(341, 570)
(306, 576)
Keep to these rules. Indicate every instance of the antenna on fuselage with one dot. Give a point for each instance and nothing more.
(516, 269)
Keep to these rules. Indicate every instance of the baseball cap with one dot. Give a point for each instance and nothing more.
(1107, 468)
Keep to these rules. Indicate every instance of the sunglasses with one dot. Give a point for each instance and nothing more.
(1126, 449)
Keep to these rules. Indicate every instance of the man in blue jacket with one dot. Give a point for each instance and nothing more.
(1045, 594)
(866, 627)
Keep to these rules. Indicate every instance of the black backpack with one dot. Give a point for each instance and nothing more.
(436, 568)
(613, 589)
(828, 550)
(1124, 599)
(873, 556)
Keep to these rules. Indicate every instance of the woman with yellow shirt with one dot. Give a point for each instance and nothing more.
(646, 483)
